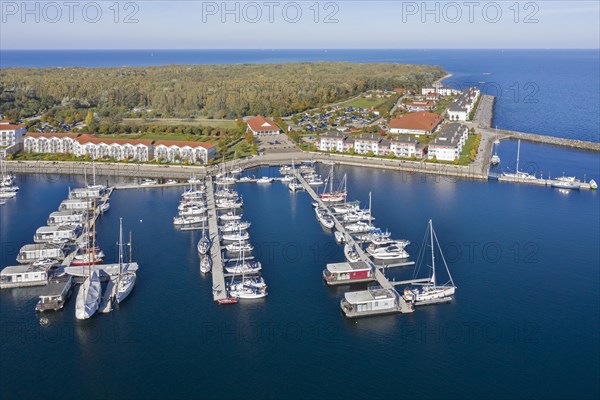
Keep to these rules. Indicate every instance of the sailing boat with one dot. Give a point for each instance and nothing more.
(6, 179)
(334, 196)
(495, 160)
(430, 292)
(248, 288)
(294, 185)
(90, 294)
(204, 243)
(518, 174)
(126, 279)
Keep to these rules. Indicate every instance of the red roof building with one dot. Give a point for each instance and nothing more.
(419, 123)
(260, 125)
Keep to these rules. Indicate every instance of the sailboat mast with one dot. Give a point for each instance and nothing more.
(518, 154)
(120, 245)
(130, 249)
(432, 254)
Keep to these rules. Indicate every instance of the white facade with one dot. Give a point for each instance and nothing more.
(403, 149)
(180, 153)
(57, 144)
(334, 143)
(11, 134)
(449, 144)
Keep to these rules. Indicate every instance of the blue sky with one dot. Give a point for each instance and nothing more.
(194, 24)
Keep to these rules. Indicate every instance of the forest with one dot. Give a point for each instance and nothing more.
(195, 91)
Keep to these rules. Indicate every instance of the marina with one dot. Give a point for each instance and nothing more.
(219, 290)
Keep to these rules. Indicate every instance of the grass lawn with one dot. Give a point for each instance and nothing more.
(464, 154)
(443, 104)
(215, 123)
(361, 102)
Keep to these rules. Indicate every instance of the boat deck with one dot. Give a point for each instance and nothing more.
(218, 276)
(53, 291)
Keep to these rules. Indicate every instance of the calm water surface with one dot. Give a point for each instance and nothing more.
(524, 323)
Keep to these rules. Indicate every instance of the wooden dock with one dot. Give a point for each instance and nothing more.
(218, 277)
(404, 307)
(69, 258)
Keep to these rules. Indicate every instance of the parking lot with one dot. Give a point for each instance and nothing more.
(275, 144)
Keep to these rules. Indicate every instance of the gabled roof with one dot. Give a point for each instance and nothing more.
(46, 135)
(260, 123)
(7, 126)
(422, 121)
(84, 139)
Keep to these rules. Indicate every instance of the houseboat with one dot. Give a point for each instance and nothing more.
(33, 252)
(345, 272)
(76, 204)
(55, 294)
(57, 233)
(23, 276)
(370, 302)
(90, 192)
(66, 217)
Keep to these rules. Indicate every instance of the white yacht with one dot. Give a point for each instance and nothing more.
(205, 264)
(190, 203)
(149, 182)
(126, 278)
(230, 216)
(188, 220)
(431, 292)
(295, 186)
(567, 182)
(204, 242)
(236, 236)
(351, 254)
(360, 227)
(6, 193)
(346, 207)
(191, 211)
(88, 297)
(264, 179)
(235, 226)
(314, 180)
(519, 175)
(244, 267)
(325, 218)
(287, 178)
(223, 204)
(391, 252)
(339, 237)
(334, 196)
(238, 247)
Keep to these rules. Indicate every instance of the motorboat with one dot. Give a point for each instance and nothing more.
(230, 216)
(236, 236)
(239, 247)
(389, 252)
(264, 179)
(235, 226)
(351, 254)
(149, 182)
(188, 220)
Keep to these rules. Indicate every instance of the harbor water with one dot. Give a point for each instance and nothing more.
(523, 324)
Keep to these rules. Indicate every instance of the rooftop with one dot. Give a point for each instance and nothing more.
(21, 269)
(369, 295)
(348, 267)
(260, 123)
(423, 121)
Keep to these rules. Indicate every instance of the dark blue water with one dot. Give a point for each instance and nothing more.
(550, 92)
(524, 323)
